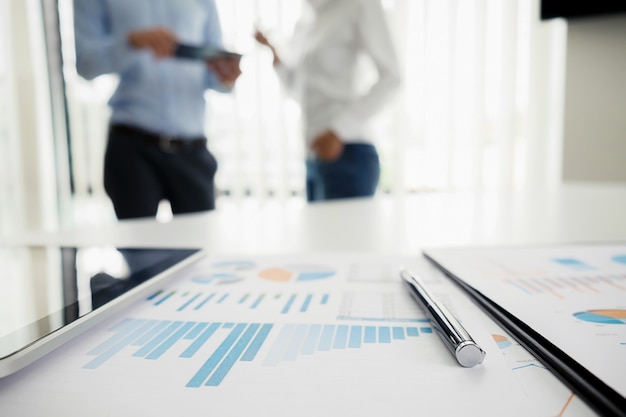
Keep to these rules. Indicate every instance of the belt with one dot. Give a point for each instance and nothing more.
(165, 142)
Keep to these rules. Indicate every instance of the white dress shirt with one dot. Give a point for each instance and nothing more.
(322, 66)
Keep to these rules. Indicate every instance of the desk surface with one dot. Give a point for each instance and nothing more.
(386, 224)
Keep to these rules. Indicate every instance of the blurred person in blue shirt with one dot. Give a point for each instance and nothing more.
(321, 67)
(156, 147)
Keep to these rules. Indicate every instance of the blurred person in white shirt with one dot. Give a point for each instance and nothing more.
(321, 68)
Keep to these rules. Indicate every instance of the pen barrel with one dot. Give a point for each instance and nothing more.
(455, 337)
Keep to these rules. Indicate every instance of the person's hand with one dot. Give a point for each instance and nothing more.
(160, 40)
(226, 68)
(262, 39)
(327, 146)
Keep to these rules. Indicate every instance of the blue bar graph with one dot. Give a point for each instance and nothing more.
(308, 339)
(201, 340)
(256, 344)
(305, 304)
(291, 304)
(165, 298)
(235, 353)
(412, 331)
(285, 309)
(205, 371)
(311, 340)
(203, 302)
(341, 337)
(398, 332)
(237, 342)
(196, 331)
(257, 301)
(191, 300)
(169, 342)
(155, 295)
(370, 334)
(384, 335)
(355, 337)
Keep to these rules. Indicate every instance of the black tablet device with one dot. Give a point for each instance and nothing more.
(202, 52)
(50, 294)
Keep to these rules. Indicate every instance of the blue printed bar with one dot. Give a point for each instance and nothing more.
(285, 309)
(142, 340)
(257, 301)
(196, 331)
(205, 371)
(356, 333)
(201, 340)
(384, 335)
(116, 348)
(191, 300)
(398, 333)
(327, 337)
(341, 337)
(311, 339)
(426, 329)
(155, 295)
(165, 298)
(305, 304)
(297, 339)
(223, 298)
(325, 299)
(121, 331)
(370, 334)
(278, 350)
(203, 302)
(152, 344)
(169, 342)
(256, 344)
(244, 298)
(232, 357)
(412, 331)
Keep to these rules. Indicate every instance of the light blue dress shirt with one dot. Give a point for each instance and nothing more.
(164, 96)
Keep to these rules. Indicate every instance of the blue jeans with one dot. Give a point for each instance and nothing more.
(354, 174)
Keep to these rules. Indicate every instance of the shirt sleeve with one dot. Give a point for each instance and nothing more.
(377, 43)
(286, 75)
(98, 50)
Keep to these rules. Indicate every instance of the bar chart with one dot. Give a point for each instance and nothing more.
(177, 300)
(219, 346)
(562, 286)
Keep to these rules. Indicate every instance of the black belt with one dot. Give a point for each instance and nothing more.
(165, 142)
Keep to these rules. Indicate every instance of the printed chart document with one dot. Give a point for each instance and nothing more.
(574, 296)
(297, 335)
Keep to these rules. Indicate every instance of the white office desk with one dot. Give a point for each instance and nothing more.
(385, 224)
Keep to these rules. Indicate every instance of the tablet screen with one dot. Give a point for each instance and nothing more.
(45, 288)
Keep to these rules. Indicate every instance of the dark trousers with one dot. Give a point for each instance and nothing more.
(354, 174)
(139, 173)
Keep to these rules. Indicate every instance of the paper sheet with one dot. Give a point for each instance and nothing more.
(321, 334)
(575, 296)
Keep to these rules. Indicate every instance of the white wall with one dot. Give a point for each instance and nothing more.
(595, 100)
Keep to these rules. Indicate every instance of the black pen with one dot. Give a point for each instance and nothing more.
(455, 337)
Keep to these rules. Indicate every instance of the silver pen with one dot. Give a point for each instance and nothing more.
(455, 337)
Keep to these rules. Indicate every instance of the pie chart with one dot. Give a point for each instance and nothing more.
(225, 272)
(602, 316)
(502, 341)
(620, 259)
(299, 273)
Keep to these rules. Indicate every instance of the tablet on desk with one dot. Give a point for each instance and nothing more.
(50, 294)
(203, 52)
